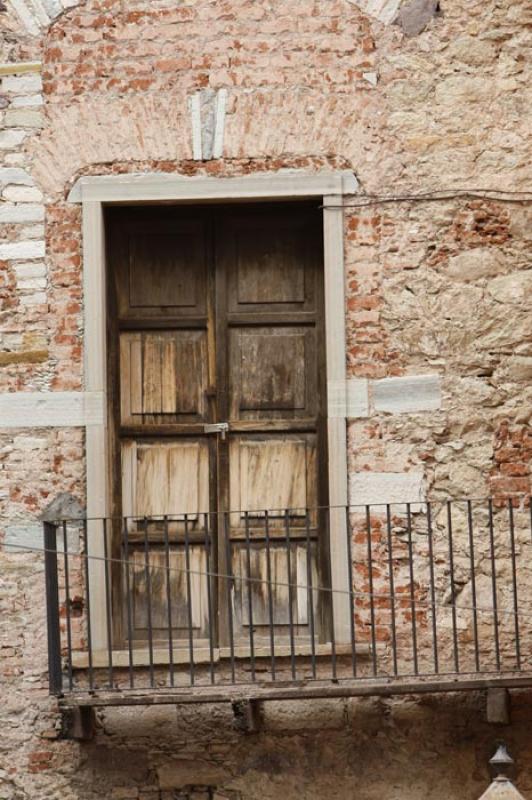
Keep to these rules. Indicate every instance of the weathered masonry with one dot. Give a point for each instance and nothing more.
(265, 404)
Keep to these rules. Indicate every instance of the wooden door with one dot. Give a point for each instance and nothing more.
(216, 317)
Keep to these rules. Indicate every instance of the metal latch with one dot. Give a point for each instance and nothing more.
(217, 427)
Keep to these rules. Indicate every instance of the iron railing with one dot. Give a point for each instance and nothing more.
(412, 592)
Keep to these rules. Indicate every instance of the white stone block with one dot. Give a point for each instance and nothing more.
(25, 442)
(15, 159)
(374, 488)
(348, 398)
(33, 270)
(22, 84)
(19, 118)
(13, 175)
(35, 299)
(407, 394)
(32, 283)
(33, 232)
(383, 10)
(19, 250)
(23, 536)
(51, 409)
(30, 536)
(370, 77)
(27, 101)
(10, 139)
(357, 398)
(22, 194)
(26, 212)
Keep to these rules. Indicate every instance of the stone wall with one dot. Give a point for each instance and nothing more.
(438, 325)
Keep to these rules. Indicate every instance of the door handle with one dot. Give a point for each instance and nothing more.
(217, 427)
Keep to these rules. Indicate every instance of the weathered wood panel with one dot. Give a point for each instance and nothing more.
(162, 375)
(165, 478)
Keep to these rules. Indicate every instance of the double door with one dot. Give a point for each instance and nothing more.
(217, 420)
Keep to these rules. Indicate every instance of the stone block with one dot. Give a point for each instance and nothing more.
(407, 394)
(23, 119)
(22, 84)
(480, 262)
(27, 101)
(31, 270)
(14, 175)
(498, 707)
(34, 299)
(22, 194)
(386, 487)
(20, 250)
(26, 212)
(12, 138)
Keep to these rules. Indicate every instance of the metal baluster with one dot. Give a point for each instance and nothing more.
(451, 569)
(331, 592)
(514, 585)
(52, 608)
(169, 600)
(310, 594)
(230, 579)
(209, 596)
(128, 606)
(290, 594)
(432, 590)
(88, 595)
(371, 598)
(270, 592)
(392, 586)
(412, 589)
(148, 600)
(67, 608)
(494, 586)
(250, 597)
(351, 591)
(473, 583)
(108, 614)
(189, 605)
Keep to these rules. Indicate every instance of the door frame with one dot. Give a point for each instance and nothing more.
(96, 192)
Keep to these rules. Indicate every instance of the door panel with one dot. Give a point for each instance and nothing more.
(169, 478)
(160, 265)
(163, 373)
(272, 474)
(272, 373)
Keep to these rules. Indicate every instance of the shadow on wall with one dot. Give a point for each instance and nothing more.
(435, 748)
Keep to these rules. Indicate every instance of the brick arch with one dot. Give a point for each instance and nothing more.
(37, 15)
(117, 85)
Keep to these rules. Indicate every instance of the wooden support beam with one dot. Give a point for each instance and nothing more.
(498, 706)
(293, 690)
(79, 723)
(247, 714)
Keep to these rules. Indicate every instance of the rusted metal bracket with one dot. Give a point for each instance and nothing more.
(79, 723)
(247, 715)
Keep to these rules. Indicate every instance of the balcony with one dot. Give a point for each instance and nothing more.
(178, 609)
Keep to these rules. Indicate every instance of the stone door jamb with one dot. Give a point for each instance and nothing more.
(94, 193)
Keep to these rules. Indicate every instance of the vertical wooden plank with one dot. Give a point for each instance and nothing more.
(169, 378)
(135, 374)
(151, 375)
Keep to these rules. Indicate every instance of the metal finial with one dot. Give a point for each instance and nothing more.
(502, 762)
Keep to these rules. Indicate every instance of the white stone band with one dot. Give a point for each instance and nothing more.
(51, 409)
